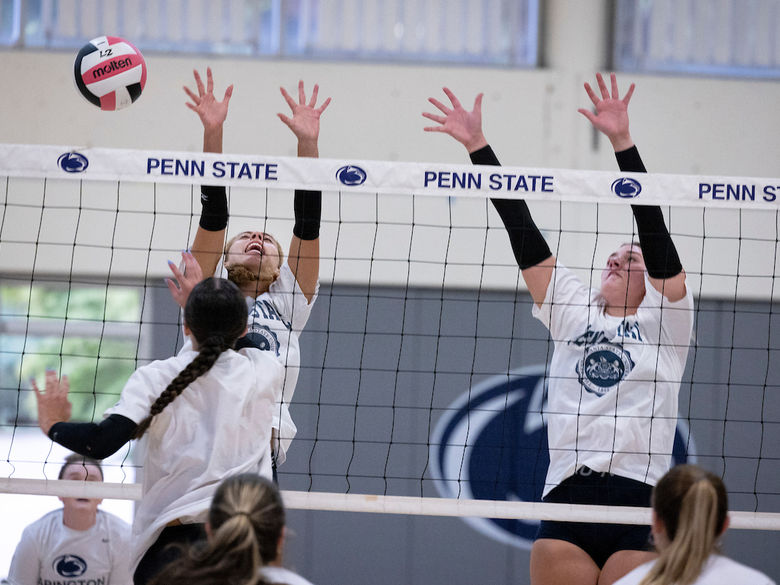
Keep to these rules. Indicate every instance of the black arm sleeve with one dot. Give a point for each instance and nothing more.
(308, 211)
(658, 249)
(484, 156)
(214, 215)
(94, 440)
(528, 244)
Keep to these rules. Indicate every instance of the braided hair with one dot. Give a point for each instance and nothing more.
(216, 314)
(246, 519)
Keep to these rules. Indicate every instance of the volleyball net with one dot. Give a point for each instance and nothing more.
(422, 383)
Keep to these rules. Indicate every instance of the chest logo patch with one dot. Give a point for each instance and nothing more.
(603, 367)
(490, 443)
(69, 566)
(260, 337)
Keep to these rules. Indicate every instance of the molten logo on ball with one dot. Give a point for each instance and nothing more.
(99, 72)
(110, 73)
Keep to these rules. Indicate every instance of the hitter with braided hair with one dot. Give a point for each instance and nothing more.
(205, 413)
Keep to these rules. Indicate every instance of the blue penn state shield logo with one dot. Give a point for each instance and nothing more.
(69, 566)
(491, 444)
(73, 162)
(260, 337)
(351, 175)
(626, 188)
(602, 367)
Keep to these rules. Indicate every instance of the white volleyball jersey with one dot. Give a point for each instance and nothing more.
(273, 574)
(718, 570)
(612, 381)
(220, 425)
(276, 319)
(50, 553)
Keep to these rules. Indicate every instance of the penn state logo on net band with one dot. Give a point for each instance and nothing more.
(69, 566)
(491, 443)
(351, 175)
(603, 367)
(73, 162)
(626, 188)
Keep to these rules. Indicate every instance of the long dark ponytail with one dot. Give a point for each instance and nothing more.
(216, 314)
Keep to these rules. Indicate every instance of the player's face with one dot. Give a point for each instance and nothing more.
(257, 251)
(623, 280)
(81, 472)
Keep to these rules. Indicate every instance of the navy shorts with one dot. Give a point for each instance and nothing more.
(600, 541)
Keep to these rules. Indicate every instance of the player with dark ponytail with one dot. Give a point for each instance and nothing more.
(205, 413)
(216, 314)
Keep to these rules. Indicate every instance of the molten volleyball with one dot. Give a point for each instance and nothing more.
(110, 73)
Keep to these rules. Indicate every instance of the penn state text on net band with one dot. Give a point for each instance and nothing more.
(388, 177)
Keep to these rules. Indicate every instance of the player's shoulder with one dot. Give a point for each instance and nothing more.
(732, 571)
(112, 519)
(117, 531)
(44, 525)
(53, 517)
(258, 358)
(286, 283)
(565, 280)
(174, 363)
(282, 575)
(656, 295)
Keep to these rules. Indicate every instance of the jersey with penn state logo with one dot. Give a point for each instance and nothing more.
(276, 319)
(50, 553)
(613, 381)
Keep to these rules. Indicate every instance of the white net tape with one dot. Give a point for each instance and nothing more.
(71, 213)
(376, 504)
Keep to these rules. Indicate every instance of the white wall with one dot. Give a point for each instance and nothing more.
(682, 125)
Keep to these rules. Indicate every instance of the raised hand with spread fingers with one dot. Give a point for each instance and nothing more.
(212, 112)
(185, 277)
(463, 125)
(210, 237)
(305, 120)
(53, 403)
(611, 115)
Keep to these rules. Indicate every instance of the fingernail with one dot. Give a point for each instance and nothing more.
(171, 263)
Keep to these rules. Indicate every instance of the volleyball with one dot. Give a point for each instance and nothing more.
(110, 73)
